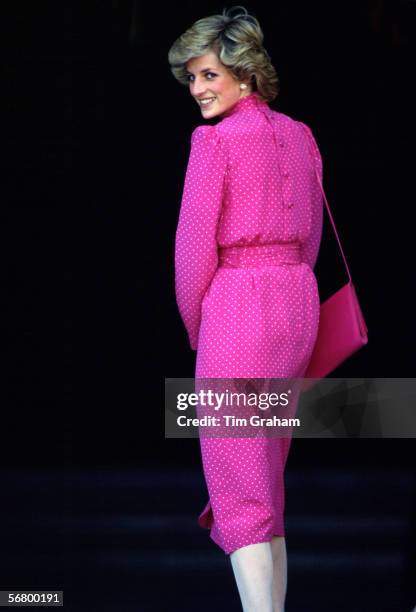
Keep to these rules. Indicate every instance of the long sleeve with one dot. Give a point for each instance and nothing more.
(310, 248)
(196, 257)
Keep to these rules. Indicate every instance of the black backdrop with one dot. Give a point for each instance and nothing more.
(96, 139)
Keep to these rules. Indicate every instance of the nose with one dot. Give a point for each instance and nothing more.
(197, 88)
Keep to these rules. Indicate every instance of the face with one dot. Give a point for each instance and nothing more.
(209, 78)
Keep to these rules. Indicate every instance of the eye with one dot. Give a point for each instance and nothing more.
(189, 77)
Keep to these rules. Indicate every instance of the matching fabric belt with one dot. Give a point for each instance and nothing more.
(260, 255)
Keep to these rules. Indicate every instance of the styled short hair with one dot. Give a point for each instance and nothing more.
(237, 40)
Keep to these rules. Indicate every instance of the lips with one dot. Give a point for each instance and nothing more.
(206, 104)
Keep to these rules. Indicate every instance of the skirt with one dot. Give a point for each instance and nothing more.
(260, 319)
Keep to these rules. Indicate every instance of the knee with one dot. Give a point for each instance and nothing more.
(278, 545)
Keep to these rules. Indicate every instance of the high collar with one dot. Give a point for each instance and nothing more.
(246, 103)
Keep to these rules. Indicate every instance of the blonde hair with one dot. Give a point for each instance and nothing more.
(237, 40)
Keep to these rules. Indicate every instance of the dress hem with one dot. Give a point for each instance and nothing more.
(228, 551)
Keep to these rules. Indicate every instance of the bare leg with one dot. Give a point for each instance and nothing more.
(278, 546)
(253, 572)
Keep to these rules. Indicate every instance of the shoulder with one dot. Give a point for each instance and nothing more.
(205, 133)
(208, 136)
(305, 129)
(292, 125)
(310, 137)
(300, 130)
(201, 131)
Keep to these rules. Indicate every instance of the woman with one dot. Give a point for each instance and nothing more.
(247, 240)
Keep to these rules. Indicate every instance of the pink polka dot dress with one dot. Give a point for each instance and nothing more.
(247, 240)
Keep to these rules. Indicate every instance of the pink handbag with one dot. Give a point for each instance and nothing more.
(342, 329)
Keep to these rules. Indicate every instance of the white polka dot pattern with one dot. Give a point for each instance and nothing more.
(250, 181)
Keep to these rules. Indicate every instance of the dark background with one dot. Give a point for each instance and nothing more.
(96, 138)
(96, 135)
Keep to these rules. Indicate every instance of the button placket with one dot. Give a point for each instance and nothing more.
(278, 143)
(286, 175)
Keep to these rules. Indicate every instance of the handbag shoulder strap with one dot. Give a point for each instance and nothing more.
(316, 156)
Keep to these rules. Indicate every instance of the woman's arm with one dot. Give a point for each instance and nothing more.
(196, 257)
(310, 248)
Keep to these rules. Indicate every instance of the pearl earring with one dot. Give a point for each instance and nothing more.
(243, 86)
